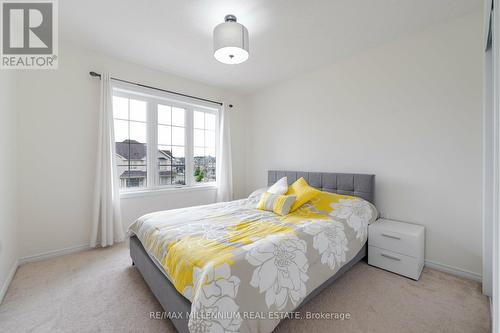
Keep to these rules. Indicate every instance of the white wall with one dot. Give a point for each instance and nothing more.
(57, 141)
(8, 218)
(409, 112)
(134, 207)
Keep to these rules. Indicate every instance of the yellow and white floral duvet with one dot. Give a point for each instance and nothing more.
(242, 267)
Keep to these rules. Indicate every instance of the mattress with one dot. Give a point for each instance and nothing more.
(232, 261)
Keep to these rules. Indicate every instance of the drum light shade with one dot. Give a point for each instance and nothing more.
(231, 41)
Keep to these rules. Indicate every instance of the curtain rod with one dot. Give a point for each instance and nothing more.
(94, 74)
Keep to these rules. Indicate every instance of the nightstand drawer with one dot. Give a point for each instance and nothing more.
(395, 262)
(404, 238)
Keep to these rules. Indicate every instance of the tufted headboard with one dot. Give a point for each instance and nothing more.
(358, 185)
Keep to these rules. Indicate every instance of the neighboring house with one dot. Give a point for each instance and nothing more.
(132, 166)
(208, 165)
(171, 169)
(131, 161)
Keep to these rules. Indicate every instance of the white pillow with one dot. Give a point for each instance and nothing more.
(280, 187)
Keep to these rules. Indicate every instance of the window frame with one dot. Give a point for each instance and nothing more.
(153, 99)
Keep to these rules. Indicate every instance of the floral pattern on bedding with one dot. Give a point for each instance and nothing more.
(231, 259)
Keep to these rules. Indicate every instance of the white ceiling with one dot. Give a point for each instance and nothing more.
(287, 37)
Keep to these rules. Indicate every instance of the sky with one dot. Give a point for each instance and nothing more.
(130, 119)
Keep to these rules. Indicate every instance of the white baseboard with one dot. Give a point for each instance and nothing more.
(7, 282)
(53, 254)
(454, 271)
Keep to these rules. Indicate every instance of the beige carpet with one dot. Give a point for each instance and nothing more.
(99, 291)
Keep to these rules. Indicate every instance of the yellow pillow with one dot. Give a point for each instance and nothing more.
(303, 191)
(280, 204)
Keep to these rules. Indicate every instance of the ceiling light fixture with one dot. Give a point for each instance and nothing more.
(231, 41)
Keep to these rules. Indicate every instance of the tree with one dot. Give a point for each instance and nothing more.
(199, 174)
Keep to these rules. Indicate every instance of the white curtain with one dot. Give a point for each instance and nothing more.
(107, 226)
(224, 162)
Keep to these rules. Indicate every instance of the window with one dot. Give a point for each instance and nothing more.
(163, 141)
(171, 145)
(204, 146)
(130, 120)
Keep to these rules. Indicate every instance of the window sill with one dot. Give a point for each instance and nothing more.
(169, 190)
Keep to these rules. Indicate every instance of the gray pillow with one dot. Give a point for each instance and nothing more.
(255, 195)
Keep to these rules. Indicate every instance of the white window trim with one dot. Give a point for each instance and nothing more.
(166, 190)
(186, 103)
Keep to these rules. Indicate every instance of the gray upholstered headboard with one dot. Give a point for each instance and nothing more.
(358, 185)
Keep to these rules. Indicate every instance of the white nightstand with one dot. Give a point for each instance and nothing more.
(397, 247)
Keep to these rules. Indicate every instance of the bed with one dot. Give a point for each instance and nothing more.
(229, 267)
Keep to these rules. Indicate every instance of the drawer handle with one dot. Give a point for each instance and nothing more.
(391, 236)
(390, 257)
